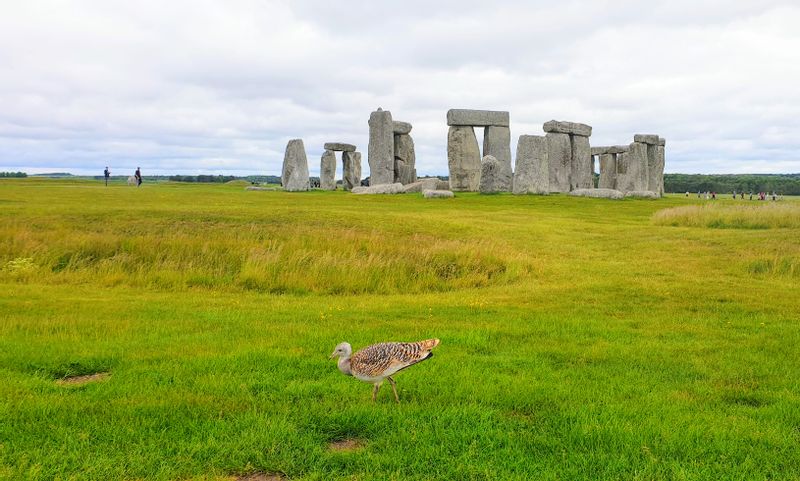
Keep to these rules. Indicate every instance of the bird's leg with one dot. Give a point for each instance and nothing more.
(394, 389)
(375, 391)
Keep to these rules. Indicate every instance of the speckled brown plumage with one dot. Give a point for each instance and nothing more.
(378, 362)
(387, 358)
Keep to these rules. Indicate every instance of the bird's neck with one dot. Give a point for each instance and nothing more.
(344, 365)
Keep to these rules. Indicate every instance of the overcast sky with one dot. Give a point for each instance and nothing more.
(221, 86)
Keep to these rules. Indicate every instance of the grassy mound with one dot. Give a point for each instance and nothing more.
(732, 216)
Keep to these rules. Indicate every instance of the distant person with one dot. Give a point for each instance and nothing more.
(774, 196)
(106, 174)
(734, 195)
(687, 193)
(698, 194)
(138, 176)
(751, 195)
(742, 195)
(714, 195)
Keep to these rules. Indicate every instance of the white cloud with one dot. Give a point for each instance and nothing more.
(220, 86)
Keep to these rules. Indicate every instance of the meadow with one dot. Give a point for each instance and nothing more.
(580, 338)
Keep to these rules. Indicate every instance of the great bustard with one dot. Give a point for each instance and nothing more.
(379, 361)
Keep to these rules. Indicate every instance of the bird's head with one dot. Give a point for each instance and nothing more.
(342, 350)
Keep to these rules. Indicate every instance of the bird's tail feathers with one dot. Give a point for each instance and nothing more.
(429, 344)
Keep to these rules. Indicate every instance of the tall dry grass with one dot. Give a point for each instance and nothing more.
(732, 216)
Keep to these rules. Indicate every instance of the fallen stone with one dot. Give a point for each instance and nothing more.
(582, 175)
(255, 187)
(642, 194)
(340, 147)
(380, 153)
(463, 159)
(598, 193)
(531, 170)
(437, 194)
(399, 127)
(573, 128)
(430, 183)
(646, 139)
(327, 171)
(490, 173)
(351, 167)
(477, 118)
(396, 188)
(404, 159)
(497, 143)
(559, 159)
(294, 176)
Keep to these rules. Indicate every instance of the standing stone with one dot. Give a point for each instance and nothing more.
(497, 143)
(632, 169)
(327, 171)
(582, 175)
(294, 176)
(652, 168)
(608, 171)
(660, 165)
(404, 159)
(491, 171)
(531, 171)
(351, 166)
(380, 153)
(559, 157)
(463, 159)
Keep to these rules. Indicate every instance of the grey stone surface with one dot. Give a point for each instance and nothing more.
(463, 159)
(294, 175)
(396, 188)
(327, 171)
(437, 194)
(660, 169)
(339, 146)
(653, 180)
(581, 176)
(380, 154)
(351, 170)
(573, 128)
(632, 168)
(431, 183)
(399, 127)
(404, 159)
(610, 149)
(497, 143)
(608, 172)
(646, 138)
(477, 118)
(598, 193)
(442, 185)
(531, 170)
(491, 171)
(662, 142)
(559, 159)
(642, 194)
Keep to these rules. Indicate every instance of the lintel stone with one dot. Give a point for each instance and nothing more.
(572, 128)
(401, 127)
(477, 118)
(646, 139)
(339, 146)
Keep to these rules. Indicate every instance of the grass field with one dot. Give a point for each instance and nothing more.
(581, 338)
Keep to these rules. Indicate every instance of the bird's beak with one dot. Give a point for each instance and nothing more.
(332, 356)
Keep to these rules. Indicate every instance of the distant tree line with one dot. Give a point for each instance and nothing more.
(13, 174)
(788, 184)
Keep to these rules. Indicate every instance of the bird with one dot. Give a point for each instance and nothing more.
(380, 361)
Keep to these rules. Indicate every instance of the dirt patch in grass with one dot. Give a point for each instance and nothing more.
(261, 477)
(84, 379)
(346, 445)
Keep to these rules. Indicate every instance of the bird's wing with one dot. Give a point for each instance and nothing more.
(378, 359)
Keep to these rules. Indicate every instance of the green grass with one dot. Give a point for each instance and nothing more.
(580, 339)
(733, 215)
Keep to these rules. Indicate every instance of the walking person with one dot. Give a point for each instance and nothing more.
(138, 176)
(106, 174)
